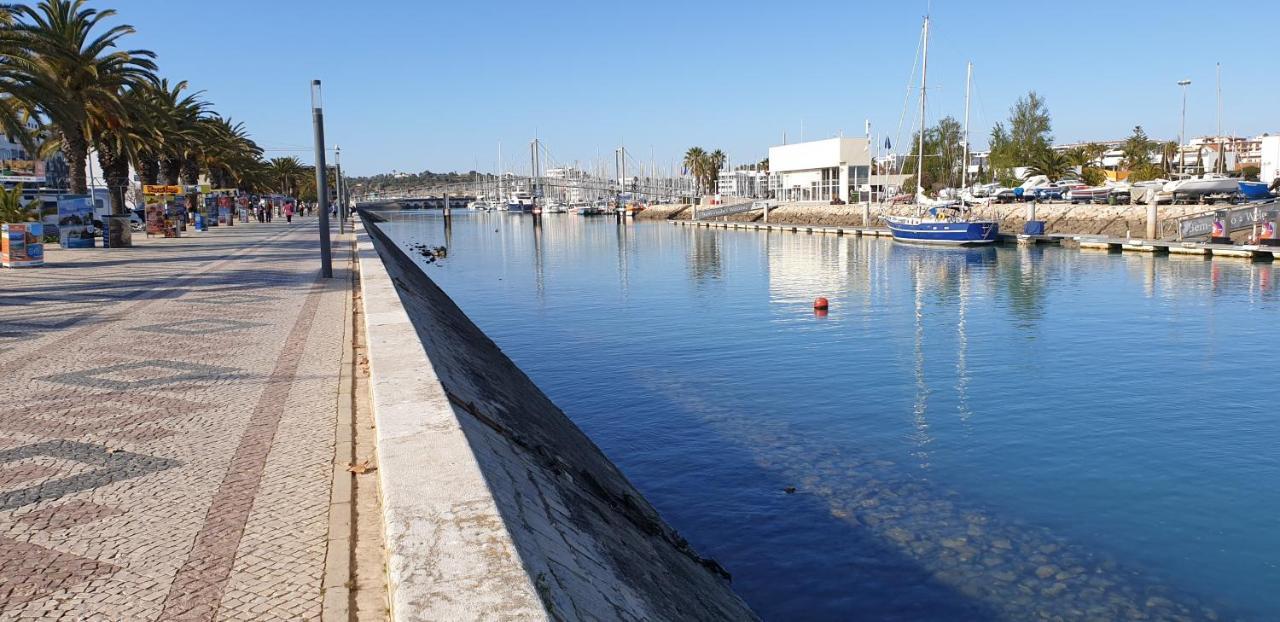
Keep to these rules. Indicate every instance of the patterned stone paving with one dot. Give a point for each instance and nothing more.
(166, 444)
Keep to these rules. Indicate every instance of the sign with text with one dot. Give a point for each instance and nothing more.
(154, 189)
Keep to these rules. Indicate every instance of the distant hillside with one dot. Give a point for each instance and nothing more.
(402, 182)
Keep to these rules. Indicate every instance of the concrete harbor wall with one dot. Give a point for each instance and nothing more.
(496, 506)
(1059, 217)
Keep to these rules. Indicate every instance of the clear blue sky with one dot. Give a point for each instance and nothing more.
(413, 85)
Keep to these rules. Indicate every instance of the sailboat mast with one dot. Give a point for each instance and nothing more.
(924, 80)
(964, 162)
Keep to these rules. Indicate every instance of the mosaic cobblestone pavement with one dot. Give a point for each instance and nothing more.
(167, 434)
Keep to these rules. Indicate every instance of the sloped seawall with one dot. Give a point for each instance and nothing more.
(496, 506)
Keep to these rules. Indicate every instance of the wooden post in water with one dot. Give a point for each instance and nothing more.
(766, 212)
(446, 203)
(1152, 223)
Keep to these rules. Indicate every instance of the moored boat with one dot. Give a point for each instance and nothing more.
(940, 228)
(1087, 194)
(946, 221)
(521, 202)
(1254, 190)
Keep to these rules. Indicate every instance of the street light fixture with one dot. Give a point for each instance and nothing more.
(1182, 132)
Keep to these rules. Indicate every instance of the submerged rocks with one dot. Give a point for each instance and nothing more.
(1054, 590)
(898, 534)
(1046, 571)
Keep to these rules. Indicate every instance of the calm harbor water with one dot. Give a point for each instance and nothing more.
(1002, 433)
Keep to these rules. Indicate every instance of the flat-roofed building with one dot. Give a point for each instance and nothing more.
(1269, 158)
(819, 170)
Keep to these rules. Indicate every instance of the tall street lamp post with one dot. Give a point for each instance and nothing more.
(322, 181)
(1182, 132)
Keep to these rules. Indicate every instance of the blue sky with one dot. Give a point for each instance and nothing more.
(436, 85)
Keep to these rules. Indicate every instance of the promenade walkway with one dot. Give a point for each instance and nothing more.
(167, 433)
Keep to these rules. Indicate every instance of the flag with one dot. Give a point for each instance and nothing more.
(887, 144)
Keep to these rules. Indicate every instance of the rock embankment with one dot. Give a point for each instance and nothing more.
(1061, 217)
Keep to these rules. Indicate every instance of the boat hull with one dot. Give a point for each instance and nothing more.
(945, 233)
(1254, 190)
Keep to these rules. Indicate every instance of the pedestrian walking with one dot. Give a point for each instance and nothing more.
(288, 212)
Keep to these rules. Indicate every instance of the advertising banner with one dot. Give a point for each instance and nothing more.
(21, 245)
(224, 209)
(153, 189)
(22, 168)
(75, 222)
(155, 214)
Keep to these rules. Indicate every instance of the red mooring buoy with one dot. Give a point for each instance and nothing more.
(820, 304)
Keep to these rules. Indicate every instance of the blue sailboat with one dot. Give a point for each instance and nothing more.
(945, 222)
(938, 227)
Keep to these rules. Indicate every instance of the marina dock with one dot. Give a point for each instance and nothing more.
(1083, 242)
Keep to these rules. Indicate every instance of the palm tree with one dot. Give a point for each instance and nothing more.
(695, 162)
(227, 151)
(16, 111)
(715, 163)
(74, 74)
(12, 209)
(1168, 153)
(119, 142)
(181, 127)
(287, 174)
(165, 107)
(1050, 163)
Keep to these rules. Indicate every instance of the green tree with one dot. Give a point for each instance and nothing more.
(1169, 155)
(695, 161)
(119, 141)
(1051, 164)
(1030, 130)
(715, 163)
(75, 72)
(287, 175)
(943, 153)
(12, 209)
(1026, 136)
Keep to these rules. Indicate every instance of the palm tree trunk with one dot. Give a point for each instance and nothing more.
(170, 168)
(115, 169)
(149, 169)
(191, 177)
(77, 152)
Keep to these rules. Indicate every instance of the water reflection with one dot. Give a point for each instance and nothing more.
(703, 255)
(1025, 283)
(539, 259)
(1038, 498)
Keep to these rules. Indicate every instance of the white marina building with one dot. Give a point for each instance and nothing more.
(819, 170)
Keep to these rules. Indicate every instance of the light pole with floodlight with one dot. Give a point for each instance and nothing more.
(1182, 133)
